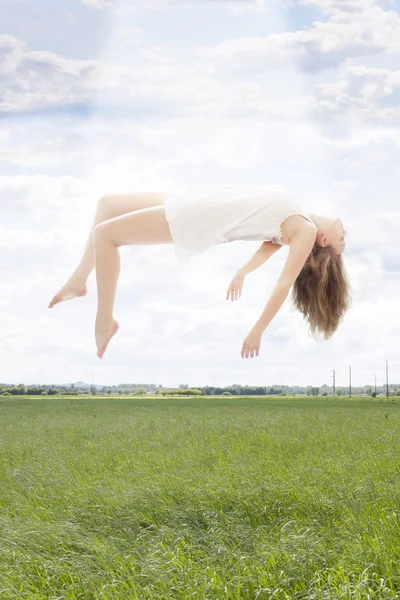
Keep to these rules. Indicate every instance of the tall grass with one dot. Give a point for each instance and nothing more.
(205, 498)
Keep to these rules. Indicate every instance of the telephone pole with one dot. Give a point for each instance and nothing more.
(350, 379)
(387, 379)
(334, 381)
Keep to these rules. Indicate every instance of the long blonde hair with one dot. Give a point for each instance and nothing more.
(322, 291)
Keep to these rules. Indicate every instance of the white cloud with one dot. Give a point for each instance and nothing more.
(244, 6)
(130, 35)
(11, 52)
(324, 45)
(14, 238)
(363, 103)
(364, 86)
(352, 7)
(159, 82)
(98, 4)
(237, 7)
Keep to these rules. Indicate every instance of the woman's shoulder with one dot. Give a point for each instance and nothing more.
(297, 225)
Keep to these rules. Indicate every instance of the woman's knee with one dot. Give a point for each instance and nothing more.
(106, 231)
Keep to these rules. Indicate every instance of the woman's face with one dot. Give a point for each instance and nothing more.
(338, 236)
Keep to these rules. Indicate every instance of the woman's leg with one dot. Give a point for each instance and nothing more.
(147, 226)
(108, 207)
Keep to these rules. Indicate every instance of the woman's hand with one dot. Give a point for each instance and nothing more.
(235, 287)
(251, 344)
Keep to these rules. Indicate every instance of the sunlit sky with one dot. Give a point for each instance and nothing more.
(160, 95)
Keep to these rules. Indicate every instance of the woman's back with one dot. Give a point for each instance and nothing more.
(202, 217)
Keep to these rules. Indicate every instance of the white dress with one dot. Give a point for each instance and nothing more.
(202, 217)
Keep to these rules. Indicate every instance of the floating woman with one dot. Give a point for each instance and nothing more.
(196, 219)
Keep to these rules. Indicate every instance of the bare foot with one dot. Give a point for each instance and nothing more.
(72, 289)
(104, 335)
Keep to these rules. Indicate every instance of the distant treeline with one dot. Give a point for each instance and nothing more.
(233, 390)
(34, 390)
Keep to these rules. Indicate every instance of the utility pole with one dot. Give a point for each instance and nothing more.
(387, 380)
(375, 384)
(334, 380)
(350, 379)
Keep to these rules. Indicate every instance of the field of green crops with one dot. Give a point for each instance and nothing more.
(200, 498)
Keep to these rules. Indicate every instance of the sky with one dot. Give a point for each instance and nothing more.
(105, 96)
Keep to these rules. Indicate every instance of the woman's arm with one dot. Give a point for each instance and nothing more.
(301, 245)
(265, 251)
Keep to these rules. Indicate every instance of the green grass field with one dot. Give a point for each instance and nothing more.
(200, 498)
